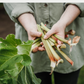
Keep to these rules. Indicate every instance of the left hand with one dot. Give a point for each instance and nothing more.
(58, 29)
(69, 15)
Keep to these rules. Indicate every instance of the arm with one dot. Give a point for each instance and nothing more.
(28, 22)
(69, 15)
(23, 13)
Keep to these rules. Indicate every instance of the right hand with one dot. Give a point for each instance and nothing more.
(27, 20)
(32, 34)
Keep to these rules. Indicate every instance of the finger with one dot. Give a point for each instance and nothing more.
(41, 48)
(54, 38)
(59, 42)
(36, 34)
(35, 49)
(31, 38)
(48, 34)
(41, 43)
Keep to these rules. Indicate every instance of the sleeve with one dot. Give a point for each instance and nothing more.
(79, 5)
(14, 10)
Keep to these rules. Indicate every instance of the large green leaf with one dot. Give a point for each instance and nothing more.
(28, 77)
(14, 55)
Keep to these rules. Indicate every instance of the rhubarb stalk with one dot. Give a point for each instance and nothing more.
(50, 51)
(52, 43)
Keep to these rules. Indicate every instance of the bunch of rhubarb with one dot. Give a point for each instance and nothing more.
(51, 45)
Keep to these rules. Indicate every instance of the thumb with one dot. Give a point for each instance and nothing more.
(48, 34)
(36, 34)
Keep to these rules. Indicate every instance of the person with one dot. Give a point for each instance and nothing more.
(58, 17)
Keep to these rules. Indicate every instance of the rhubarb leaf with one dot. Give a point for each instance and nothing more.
(14, 55)
(27, 77)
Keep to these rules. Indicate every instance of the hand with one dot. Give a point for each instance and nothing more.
(40, 48)
(69, 15)
(32, 34)
(58, 29)
(27, 20)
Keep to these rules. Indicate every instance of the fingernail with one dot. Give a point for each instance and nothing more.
(59, 42)
(45, 37)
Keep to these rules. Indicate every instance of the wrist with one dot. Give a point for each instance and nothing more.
(31, 27)
(27, 20)
(70, 14)
(62, 23)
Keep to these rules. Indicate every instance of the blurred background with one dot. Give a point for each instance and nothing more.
(7, 27)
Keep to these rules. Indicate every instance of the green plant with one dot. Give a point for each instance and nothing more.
(15, 62)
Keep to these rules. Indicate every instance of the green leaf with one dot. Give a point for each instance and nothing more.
(26, 60)
(15, 62)
(28, 77)
(12, 41)
(14, 72)
(14, 55)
